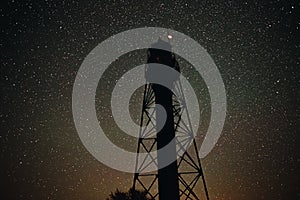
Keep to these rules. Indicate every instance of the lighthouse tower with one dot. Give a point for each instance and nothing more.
(183, 178)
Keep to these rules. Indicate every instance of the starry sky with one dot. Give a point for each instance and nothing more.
(255, 44)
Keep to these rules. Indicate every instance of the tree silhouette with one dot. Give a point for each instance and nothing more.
(130, 195)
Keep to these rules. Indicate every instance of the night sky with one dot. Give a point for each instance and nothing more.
(256, 46)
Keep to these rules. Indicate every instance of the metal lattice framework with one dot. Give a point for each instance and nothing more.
(190, 174)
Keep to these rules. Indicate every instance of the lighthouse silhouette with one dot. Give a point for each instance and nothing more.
(181, 178)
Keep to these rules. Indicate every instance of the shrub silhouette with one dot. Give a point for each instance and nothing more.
(130, 195)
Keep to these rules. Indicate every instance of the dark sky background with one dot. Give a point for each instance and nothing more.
(255, 44)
